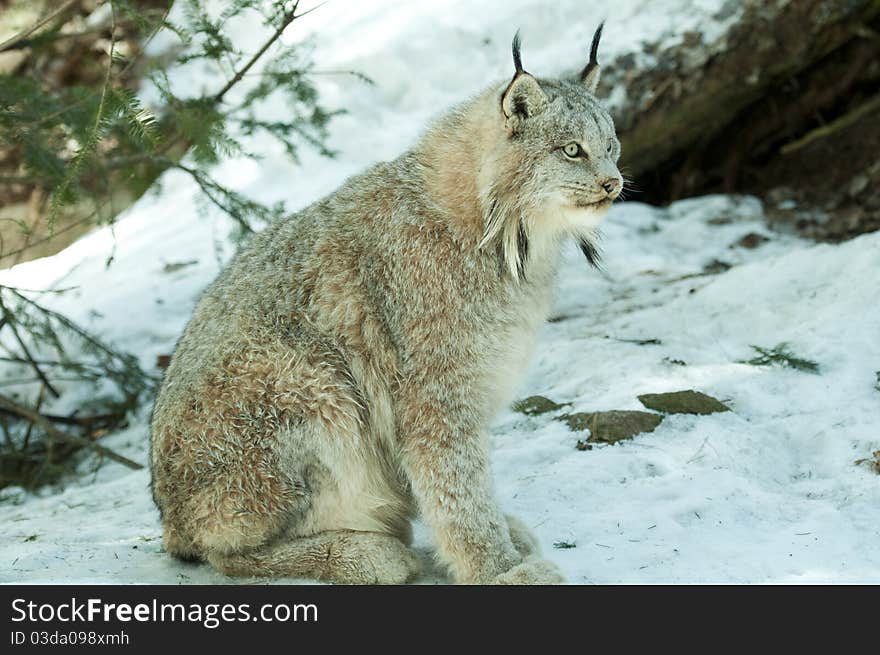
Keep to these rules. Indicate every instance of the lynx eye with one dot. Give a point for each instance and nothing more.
(610, 147)
(572, 150)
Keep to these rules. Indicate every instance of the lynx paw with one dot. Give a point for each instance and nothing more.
(388, 562)
(532, 570)
(523, 540)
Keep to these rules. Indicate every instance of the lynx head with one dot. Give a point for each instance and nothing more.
(552, 168)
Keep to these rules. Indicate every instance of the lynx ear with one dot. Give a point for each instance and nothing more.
(591, 72)
(523, 97)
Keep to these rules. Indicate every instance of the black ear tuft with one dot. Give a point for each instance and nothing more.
(517, 60)
(594, 52)
(523, 96)
(594, 47)
(591, 252)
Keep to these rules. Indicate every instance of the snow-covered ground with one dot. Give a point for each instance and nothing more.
(766, 493)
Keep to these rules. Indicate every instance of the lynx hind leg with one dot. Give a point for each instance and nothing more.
(256, 534)
(247, 525)
(341, 556)
(177, 546)
(263, 470)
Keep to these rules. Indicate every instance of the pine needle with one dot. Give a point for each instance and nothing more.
(781, 355)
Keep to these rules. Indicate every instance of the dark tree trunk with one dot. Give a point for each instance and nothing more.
(786, 104)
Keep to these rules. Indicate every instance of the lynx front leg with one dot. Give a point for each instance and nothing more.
(446, 458)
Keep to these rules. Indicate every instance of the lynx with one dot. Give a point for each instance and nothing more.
(336, 381)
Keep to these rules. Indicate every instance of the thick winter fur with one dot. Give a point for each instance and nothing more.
(337, 379)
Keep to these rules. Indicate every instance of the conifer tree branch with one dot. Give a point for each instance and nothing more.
(286, 20)
(89, 146)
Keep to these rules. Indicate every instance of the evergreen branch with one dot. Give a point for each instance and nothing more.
(91, 143)
(286, 20)
(780, 354)
(51, 116)
(209, 188)
(81, 138)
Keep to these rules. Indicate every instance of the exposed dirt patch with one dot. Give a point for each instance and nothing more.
(683, 402)
(612, 426)
(537, 405)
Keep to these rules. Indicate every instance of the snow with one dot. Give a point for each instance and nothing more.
(766, 493)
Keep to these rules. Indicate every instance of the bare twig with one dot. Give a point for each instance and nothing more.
(864, 109)
(41, 396)
(7, 437)
(50, 362)
(32, 244)
(17, 381)
(66, 322)
(10, 320)
(57, 435)
(208, 186)
(81, 421)
(12, 42)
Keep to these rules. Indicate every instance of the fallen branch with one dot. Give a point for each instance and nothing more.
(57, 435)
(81, 421)
(844, 121)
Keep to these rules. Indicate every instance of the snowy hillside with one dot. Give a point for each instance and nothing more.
(768, 492)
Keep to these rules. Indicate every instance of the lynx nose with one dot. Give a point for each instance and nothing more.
(611, 186)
